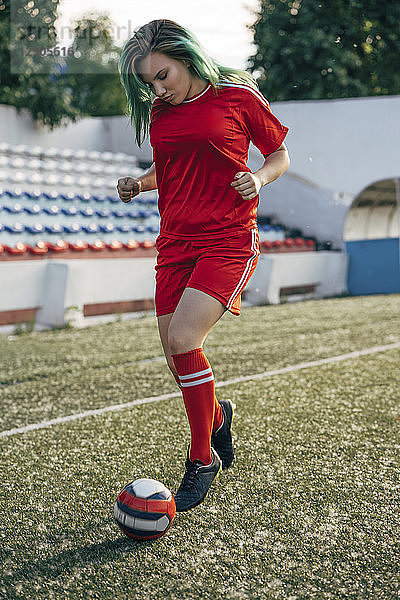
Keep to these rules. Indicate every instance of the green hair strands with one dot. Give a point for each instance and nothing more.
(177, 42)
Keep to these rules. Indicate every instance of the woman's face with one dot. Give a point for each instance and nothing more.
(170, 79)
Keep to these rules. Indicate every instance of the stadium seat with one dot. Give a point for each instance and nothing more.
(32, 210)
(87, 212)
(36, 228)
(70, 211)
(73, 228)
(91, 228)
(52, 210)
(15, 228)
(97, 245)
(16, 209)
(58, 246)
(103, 213)
(56, 228)
(107, 228)
(39, 248)
(124, 228)
(78, 245)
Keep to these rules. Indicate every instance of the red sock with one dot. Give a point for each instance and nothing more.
(197, 381)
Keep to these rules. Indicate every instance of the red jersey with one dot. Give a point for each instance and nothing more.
(198, 147)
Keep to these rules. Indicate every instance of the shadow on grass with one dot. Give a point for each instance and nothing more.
(68, 560)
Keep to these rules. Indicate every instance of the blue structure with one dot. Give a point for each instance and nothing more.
(371, 236)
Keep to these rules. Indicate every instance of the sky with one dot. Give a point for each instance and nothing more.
(219, 25)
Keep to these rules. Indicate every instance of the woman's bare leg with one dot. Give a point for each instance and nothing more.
(194, 317)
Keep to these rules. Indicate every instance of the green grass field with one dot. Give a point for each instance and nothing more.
(309, 510)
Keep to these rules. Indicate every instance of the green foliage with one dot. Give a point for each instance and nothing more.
(337, 49)
(93, 78)
(57, 91)
(24, 86)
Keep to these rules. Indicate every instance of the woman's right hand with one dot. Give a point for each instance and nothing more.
(128, 188)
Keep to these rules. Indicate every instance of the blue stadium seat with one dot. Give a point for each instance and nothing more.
(124, 228)
(72, 228)
(139, 228)
(33, 210)
(87, 212)
(56, 228)
(103, 213)
(84, 197)
(34, 194)
(16, 209)
(107, 228)
(70, 211)
(98, 199)
(132, 214)
(15, 228)
(120, 214)
(91, 228)
(52, 210)
(35, 228)
(50, 195)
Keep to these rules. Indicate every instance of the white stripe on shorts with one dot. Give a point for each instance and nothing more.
(239, 288)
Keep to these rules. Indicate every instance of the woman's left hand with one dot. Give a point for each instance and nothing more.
(246, 184)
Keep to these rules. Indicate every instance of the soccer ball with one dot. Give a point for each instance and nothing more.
(144, 509)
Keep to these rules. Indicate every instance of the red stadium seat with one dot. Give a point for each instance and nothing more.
(147, 244)
(132, 245)
(115, 245)
(97, 245)
(79, 246)
(19, 248)
(267, 245)
(39, 248)
(59, 246)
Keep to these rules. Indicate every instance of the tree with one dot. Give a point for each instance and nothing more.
(310, 49)
(92, 69)
(25, 80)
(47, 79)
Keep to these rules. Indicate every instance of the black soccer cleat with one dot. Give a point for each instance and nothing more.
(221, 439)
(196, 482)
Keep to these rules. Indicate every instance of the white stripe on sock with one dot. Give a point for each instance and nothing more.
(198, 382)
(198, 374)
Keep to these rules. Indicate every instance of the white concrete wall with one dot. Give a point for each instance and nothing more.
(326, 270)
(343, 145)
(54, 285)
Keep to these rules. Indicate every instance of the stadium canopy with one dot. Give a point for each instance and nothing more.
(371, 235)
(374, 213)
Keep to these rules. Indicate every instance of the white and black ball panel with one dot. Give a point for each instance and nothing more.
(145, 488)
(141, 524)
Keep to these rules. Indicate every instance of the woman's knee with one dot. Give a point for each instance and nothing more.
(180, 340)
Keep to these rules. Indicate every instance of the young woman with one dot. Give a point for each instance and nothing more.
(202, 117)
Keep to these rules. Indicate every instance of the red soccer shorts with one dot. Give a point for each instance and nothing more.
(219, 267)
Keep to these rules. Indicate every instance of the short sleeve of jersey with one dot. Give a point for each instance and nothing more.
(260, 124)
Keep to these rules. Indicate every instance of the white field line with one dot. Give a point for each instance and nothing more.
(282, 371)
